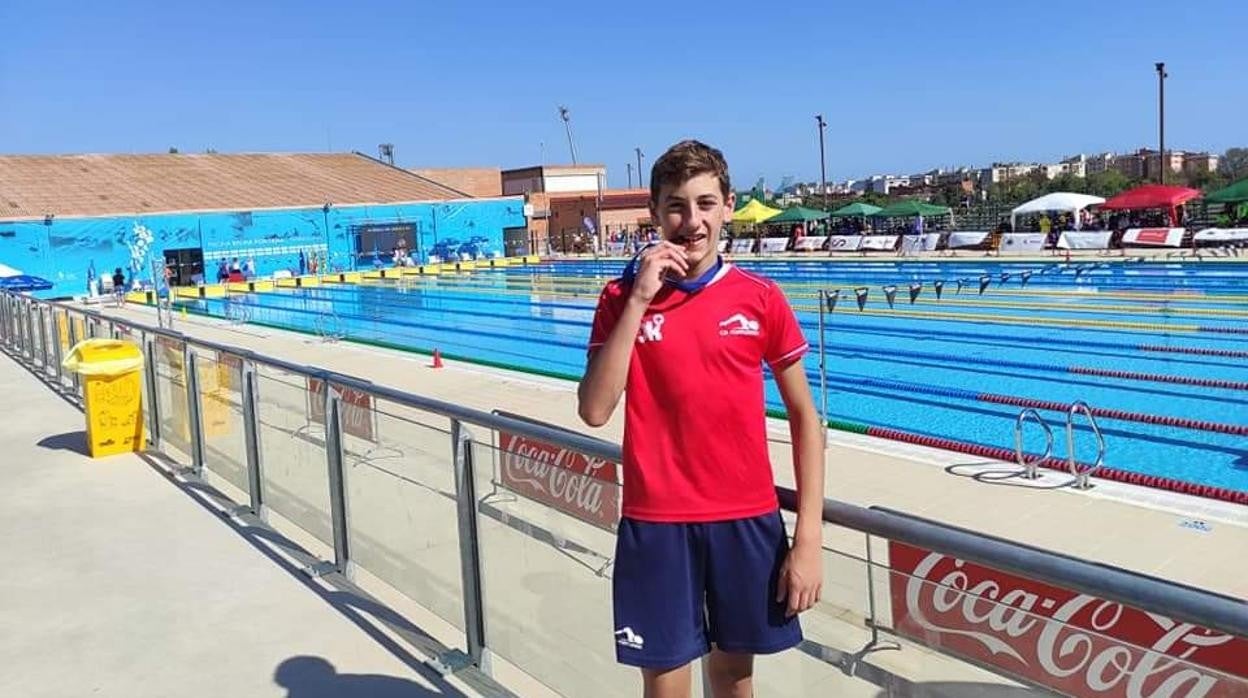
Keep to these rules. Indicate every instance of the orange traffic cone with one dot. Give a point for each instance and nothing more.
(437, 358)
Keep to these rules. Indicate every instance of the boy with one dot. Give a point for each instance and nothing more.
(702, 557)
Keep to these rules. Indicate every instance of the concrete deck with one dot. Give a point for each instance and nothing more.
(122, 580)
(547, 595)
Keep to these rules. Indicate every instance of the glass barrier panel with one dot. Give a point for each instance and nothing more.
(545, 525)
(221, 413)
(175, 431)
(293, 462)
(401, 506)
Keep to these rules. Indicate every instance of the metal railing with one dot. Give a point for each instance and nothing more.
(1081, 473)
(1030, 466)
(340, 397)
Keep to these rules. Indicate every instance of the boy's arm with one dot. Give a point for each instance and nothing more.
(801, 578)
(607, 372)
(605, 375)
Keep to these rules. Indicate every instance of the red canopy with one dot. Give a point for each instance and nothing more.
(1153, 196)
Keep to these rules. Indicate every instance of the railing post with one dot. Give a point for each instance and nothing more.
(30, 329)
(469, 542)
(153, 384)
(337, 492)
(23, 341)
(56, 348)
(251, 436)
(72, 329)
(43, 339)
(194, 418)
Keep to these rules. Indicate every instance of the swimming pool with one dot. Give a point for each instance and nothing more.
(1158, 349)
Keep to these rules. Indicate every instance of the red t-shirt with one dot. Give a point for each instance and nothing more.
(695, 435)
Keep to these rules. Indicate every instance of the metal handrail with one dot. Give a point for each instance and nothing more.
(1029, 468)
(1082, 474)
(1151, 594)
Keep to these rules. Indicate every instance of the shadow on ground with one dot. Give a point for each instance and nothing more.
(75, 441)
(315, 677)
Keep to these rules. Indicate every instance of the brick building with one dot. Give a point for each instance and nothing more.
(618, 211)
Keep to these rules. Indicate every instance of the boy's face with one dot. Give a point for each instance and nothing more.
(692, 214)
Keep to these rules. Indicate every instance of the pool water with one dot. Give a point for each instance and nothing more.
(1154, 340)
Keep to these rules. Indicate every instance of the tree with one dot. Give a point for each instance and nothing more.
(173, 150)
(1108, 183)
(1234, 164)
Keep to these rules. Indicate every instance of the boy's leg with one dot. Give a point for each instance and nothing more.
(667, 683)
(731, 674)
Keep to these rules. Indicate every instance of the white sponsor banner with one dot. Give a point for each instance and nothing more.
(844, 243)
(1153, 237)
(920, 243)
(723, 246)
(966, 238)
(879, 242)
(1022, 242)
(810, 244)
(773, 245)
(615, 248)
(742, 245)
(1084, 240)
(1222, 234)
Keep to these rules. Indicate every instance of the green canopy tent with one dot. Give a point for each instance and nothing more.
(858, 208)
(798, 214)
(910, 208)
(1234, 194)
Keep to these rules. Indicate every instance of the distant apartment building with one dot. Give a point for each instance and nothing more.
(1000, 172)
(1200, 162)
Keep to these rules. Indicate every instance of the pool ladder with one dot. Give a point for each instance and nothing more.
(1081, 473)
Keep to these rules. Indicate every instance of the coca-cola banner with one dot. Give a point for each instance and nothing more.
(358, 416)
(1153, 237)
(1073, 643)
(572, 482)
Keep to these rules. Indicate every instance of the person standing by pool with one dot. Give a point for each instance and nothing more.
(702, 557)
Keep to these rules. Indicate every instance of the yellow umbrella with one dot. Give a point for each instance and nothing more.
(754, 212)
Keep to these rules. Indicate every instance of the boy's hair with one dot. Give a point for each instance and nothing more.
(684, 161)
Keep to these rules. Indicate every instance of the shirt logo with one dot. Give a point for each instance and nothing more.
(627, 638)
(651, 329)
(738, 325)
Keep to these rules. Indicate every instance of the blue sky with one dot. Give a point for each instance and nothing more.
(904, 86)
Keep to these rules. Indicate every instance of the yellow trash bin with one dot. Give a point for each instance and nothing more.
(112, 394)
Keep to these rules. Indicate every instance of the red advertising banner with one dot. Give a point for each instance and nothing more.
(358, 417)
(1073, 643)
(583, 487)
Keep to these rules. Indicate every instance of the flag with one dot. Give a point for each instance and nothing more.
(961, 283)
(831, 297)
(938, 285)
(916, 288)
(1026, 276)
(890, 293)
(862, 292)
(983, 283)
(1005, 276)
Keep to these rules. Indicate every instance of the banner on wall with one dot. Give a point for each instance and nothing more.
(359, 419)
(1076, 644)
(742, 245)
(810, 244)
(585, 488)
(966, 238)
(772, 245)
(879, 242)
(844, 243)
(615, 248)
(1084, 240)
(1022, 242)
(1153, 237)
(1222, 234)
(926, 242)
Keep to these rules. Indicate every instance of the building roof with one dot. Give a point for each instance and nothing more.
(32, 186)
(475, 181)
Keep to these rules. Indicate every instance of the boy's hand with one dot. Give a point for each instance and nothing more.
(801, 577)
(655, 263)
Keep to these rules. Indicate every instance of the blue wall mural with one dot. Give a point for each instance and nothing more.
(63, 249)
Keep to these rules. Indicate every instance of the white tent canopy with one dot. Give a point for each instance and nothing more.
(1057, 201)
(7, 271)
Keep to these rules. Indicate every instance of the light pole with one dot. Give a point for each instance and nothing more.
(567, 126)
(641, 179)
(1161, 120)
(630, 175)
(823, 173)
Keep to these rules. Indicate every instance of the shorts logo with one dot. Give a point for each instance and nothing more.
(627, 638)
(739, 325)
(651, 329)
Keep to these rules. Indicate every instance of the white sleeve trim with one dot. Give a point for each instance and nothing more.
(791, 354)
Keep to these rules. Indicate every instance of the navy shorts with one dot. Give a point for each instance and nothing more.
(679, 587)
